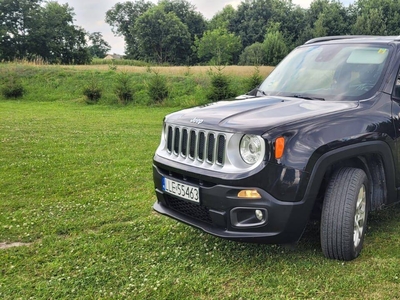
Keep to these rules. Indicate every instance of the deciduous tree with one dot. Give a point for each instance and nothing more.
(274, 45)
(377, 17)
(189, 16)
(57, 39)
(31, 30)
(17, 21)
(99, 47)
(223, 18)
(162, 37)
(253, 55)
(251, 19)
(218, 47)
(371, 23)
(329, 17)
(122, 18)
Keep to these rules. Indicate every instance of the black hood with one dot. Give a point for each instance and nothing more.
(256, 115)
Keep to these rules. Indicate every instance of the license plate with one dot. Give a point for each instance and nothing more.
(181, 190)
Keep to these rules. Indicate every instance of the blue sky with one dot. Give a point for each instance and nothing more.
(90, 14)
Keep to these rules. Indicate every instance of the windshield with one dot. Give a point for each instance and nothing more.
(328, 72)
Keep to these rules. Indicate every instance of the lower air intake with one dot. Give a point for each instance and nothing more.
(189, 209)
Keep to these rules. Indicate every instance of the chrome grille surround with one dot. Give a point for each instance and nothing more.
(196, 145)
(203, 148)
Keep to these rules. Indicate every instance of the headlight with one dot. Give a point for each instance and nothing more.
(251, 148)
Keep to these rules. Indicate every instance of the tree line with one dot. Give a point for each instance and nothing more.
(34, 29)
(257, 32)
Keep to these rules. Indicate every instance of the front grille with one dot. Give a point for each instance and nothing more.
(184, 143)
(210, 147)
(200, 145)
(192, 144)
(189, 209)
(220, 153)
(176, 140)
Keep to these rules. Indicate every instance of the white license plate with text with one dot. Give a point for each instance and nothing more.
(181, 190)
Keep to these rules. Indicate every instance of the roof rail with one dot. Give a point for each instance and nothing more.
(337, 37)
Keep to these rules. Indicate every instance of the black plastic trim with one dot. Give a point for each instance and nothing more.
(351, 151)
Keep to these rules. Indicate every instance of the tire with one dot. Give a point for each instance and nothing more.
(344, 214)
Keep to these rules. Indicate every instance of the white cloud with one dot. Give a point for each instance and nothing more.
(209, 10)
(303, 3)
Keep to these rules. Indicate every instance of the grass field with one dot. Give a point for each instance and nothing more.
(242, 71)
(188, 86)
(76, 188)
(133, 66)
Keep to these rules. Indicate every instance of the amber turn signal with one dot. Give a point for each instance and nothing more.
(279, 147)
(249, 194)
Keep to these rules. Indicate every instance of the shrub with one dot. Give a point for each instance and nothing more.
(252, 55)
(274, 45)
(112, 67)
(123, 89)
(220, 86)
(13, 87)
(188, 72)
(157, 88)
(254, 80)
(92, 91)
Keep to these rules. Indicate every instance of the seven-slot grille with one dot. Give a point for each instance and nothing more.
(201, 145)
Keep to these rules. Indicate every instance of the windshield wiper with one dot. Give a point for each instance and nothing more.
(307, 98)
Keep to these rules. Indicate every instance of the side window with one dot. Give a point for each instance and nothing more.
(396, 90)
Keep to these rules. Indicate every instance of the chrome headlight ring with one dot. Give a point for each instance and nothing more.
(252, 149)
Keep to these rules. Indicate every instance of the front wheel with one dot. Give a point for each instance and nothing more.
(344, 214)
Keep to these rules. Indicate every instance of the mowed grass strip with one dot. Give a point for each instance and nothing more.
(76, 187)
(242, 71)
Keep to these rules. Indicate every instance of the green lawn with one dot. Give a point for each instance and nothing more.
(76, 185)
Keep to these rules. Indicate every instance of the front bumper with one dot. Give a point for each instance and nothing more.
(222, 213)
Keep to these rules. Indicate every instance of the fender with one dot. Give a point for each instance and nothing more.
(351, 151)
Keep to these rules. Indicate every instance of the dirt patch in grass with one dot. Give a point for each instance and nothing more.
(12, 245)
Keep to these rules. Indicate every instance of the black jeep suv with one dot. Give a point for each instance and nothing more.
(320, 134)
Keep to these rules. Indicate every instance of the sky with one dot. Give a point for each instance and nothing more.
(90, 15)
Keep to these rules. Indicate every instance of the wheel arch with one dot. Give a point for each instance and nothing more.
(374, 157)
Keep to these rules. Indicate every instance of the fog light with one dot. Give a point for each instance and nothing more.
(259, 215)
(248, 217)
(250, 194)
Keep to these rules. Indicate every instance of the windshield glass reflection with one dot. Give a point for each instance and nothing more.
(328, 72)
